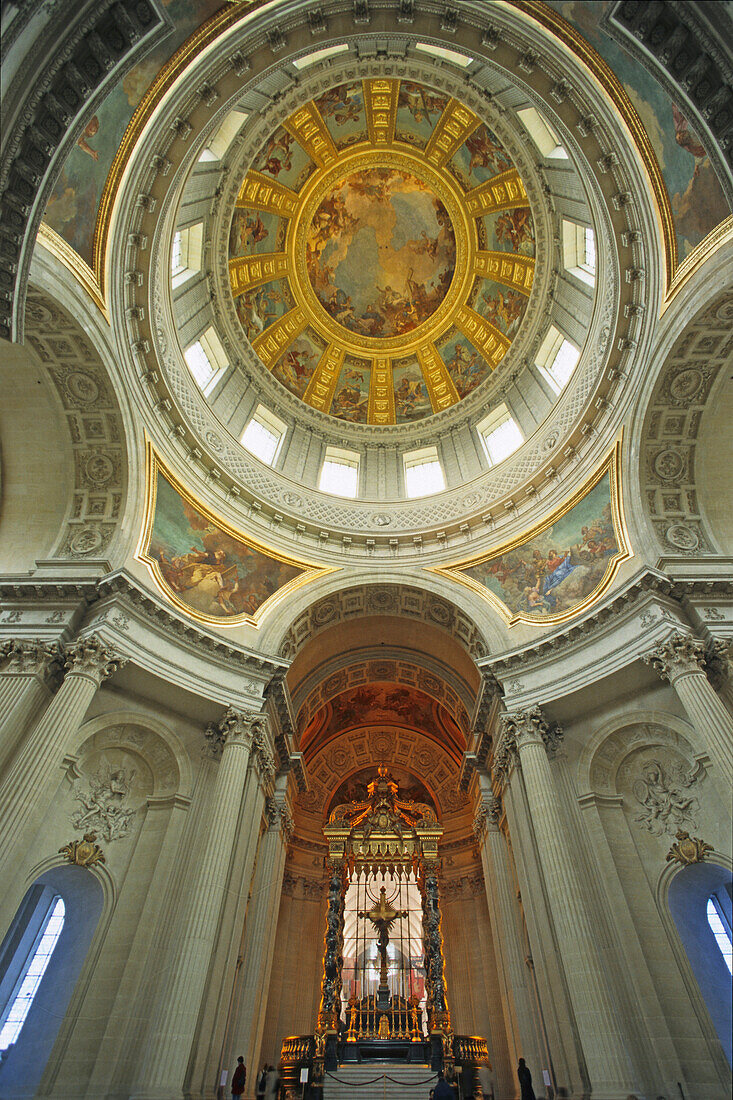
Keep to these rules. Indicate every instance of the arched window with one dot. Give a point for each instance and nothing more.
(720, 927)
(18, 1005)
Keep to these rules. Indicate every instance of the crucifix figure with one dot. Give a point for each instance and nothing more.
(383, 915)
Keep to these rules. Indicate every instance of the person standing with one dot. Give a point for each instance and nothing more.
(272, 1084)
(443, 1091)
(261, 1082)
(239, 1077)
(525, 1081)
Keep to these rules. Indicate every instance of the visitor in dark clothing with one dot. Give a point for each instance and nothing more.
(443, 1091)
(525, 1081)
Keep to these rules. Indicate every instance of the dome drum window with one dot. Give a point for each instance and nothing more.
(579, 251)
(557, 359)
(423, 473)
(206, 360)
(186, 253)
(500, 435)
(264, 435)
(340, 473)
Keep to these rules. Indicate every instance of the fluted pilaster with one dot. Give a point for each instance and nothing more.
(34, 775)
(529, 736)
(259, 939)
(681, 660)
(24, 673)
(519, 1009)
(165, 1059)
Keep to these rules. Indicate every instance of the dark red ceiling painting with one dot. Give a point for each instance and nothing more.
(354, 789)
(383, 705)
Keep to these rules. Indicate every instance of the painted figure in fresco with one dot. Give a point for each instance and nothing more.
(294, 369)
(350, 402)
(686, 137)
(342, 104)
(90, 130)
(540, 580)
(516, 227)
(421, 102)
(486, 151)
(504, 309)
(278, 156)
(467, 368)
(258, 308)
(410, 396)
(247, 230)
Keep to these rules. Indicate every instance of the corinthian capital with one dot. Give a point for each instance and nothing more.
(27, 657)
(524, 727)
(243, 727)
(488, 816)
(92, 658)
(676, 657)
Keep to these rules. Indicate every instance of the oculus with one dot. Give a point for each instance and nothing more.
(382, 252)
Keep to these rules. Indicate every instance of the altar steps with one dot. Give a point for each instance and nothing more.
(371, 1081)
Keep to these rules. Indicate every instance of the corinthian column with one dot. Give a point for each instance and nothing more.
(503, 909)
(528, 736)
(165, 1059)
(681, 660)
(259, 934)
(32, 780)
(23, 687)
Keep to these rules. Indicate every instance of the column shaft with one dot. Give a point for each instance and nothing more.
(21, 697)
(603, 1045)
(520, 1022)
(259, 947)
(710, 718)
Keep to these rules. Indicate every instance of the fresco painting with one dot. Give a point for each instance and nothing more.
(295, 367)
(418, 110)
(260, 307)
(480, 158)
(383, 703)
(254, 231)
(380, 252)
(505, 308)
(696, 197)
(207, 569)
(509, 231)
(342, 109)
(411, 398)
(555, 570)
(466, 366)
(72, 208)
(284, 159)
(351, 396)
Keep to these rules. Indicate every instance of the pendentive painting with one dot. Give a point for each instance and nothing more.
(205, 567)
(559, 569)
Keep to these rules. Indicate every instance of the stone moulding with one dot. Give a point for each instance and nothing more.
(454, 571)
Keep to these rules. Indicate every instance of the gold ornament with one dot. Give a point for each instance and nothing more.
(83, 853)
(688, 850)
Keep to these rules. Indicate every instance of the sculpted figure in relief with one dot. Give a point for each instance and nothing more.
(102, 803)
(664, 798)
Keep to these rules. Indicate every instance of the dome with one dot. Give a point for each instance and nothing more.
(381, 252)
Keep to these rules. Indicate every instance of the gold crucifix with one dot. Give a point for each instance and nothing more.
(383, 915)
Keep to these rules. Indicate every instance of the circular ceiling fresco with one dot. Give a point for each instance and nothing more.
(381, 252)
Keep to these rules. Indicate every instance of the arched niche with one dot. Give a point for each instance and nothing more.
(683, 897)
(83, 896)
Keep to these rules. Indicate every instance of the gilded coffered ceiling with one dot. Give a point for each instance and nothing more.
(381, 252)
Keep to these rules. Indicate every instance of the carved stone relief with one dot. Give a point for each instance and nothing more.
(103, 801)
(672, 425)
(664, 797)
(385, 600)
(94, 423)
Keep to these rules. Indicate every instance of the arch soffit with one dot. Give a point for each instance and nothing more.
(90, 397)
(691, 356)
(393, 666)
(158, 745)
(601, 754)
(340, 603)
(356, 749)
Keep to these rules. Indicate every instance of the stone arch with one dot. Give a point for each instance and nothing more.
(679, 414)
(68, 397)
(604, 751)
(145, 736)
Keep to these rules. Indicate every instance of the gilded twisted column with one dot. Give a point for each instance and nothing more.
(504, 913)
(165, 1059)
(681, 660)
(439, 1014)
(32, 779)
(24, 671)
(528, 736)
(259, 934)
